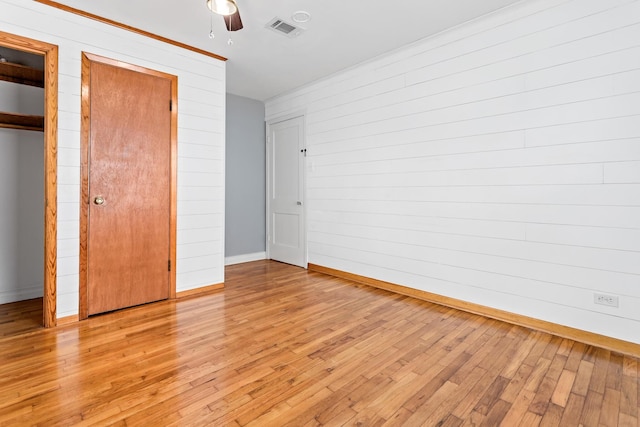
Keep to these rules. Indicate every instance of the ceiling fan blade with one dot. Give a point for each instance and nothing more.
(233, 22)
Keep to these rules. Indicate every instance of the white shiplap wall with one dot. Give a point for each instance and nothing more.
(497, 163)
(201, 127)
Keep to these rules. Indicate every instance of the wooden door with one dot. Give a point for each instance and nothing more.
(129, 188)
(286, 224)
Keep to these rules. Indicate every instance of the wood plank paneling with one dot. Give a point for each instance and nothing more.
(495, 163)
(281, 345)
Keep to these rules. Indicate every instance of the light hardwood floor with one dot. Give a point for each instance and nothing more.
(16, 318)
(281, 346)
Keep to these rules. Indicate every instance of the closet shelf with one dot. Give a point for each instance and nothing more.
(21, 121)
(21, 74)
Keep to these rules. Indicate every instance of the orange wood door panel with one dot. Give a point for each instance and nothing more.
(128, 247)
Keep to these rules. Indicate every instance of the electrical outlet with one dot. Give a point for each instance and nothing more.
(604, 299)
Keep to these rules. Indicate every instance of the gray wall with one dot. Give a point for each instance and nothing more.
(245, 177)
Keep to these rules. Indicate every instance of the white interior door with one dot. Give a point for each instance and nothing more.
(286, 226)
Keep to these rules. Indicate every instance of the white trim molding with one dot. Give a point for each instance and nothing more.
(239, 259)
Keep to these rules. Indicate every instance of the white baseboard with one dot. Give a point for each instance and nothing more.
(14, 295)
(238, 259)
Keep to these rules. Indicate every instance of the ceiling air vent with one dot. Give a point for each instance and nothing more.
(280, 26)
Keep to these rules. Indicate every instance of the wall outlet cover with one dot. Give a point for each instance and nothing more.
(605, 299)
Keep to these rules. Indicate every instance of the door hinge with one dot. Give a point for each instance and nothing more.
(171, 105)
(169, 265)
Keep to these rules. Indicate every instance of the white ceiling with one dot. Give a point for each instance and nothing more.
(262, 64)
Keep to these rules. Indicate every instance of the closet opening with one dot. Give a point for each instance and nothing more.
(28, 129)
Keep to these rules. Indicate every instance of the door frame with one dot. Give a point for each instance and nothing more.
(280, 119)
(50, 53)
(87, 59)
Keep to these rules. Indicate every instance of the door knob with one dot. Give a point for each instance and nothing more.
(99, 200)
(299, 203)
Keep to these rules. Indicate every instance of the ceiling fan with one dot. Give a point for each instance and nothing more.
(229, 11)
